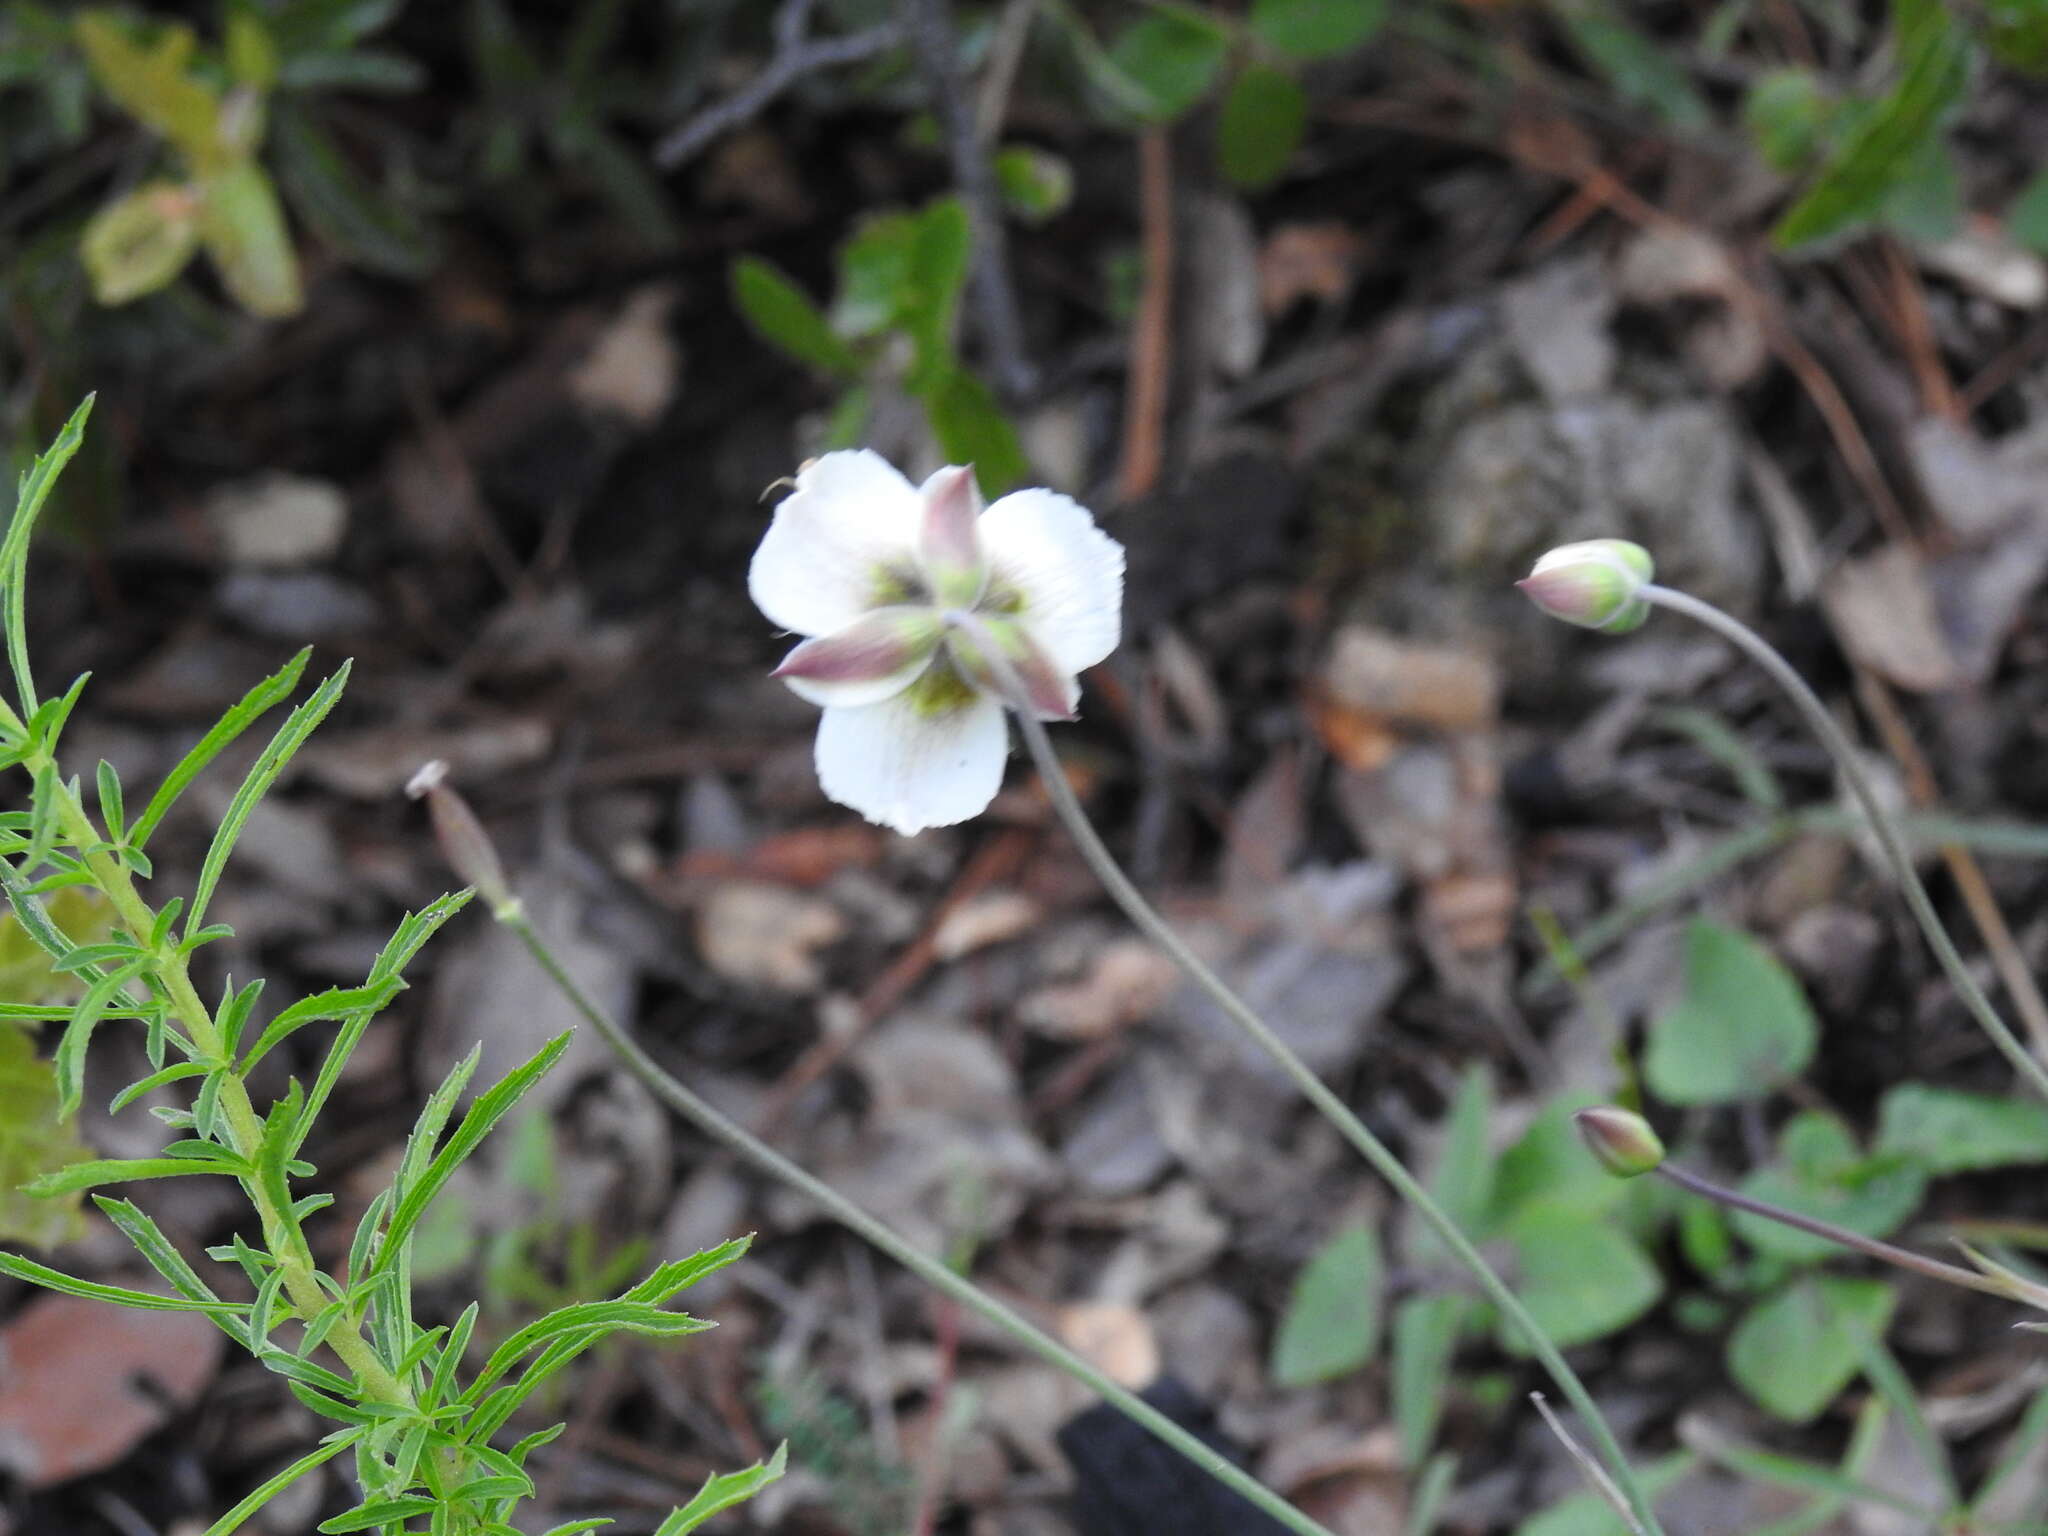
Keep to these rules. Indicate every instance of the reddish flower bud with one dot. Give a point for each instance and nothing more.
(1623, 1143)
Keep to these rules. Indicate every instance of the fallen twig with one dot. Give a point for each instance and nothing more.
(995, 300)
(796, 55)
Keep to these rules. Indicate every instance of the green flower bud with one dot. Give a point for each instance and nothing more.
(1595, 584)
(1623, 1143)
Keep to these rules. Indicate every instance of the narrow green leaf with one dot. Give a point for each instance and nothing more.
(1933, 53)
(601, 1317)
(1332, 1323)
(254, 704)
(30, 495)
(289, 738)
(231, 1522)
(785, 317)
(69, 1057)
(1316, 29)
(334, 1003)
(485, 1113)
(722, 1491)
(1639, 68)
(379, 1512)
(121, 1170)
(121, 1296)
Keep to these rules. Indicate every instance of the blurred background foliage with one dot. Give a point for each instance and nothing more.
(173, 173)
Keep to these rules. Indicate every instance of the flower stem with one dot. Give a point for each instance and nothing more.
(932, 1271)
(2008, 1289)
(1882, 823)
(1370, 1147)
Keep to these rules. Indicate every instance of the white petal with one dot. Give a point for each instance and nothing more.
(851, 520)
(1045, 549)
(909, 769)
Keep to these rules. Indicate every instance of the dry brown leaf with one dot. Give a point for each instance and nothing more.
(1444, 687)
(767, 935)
(81, 1382)
(1128, 982)
(1883, 613)
(1309, 261)
(1116, 1338)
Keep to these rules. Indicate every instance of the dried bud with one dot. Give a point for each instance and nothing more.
(464, 843)
(1624, 1143)
(1595, 584)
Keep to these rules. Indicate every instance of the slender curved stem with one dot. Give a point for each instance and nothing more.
(2007, 1289)
(1376, 1152)
(1882, 823)
(927, 1268)
(1102, 863)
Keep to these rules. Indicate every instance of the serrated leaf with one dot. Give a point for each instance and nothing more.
(1316, 29)
(36, 1140)
(1264, 115)
(1581, 1278)
(1946, 1130)
(784, 316)
(1794, 1351)
(1332, 1322)
(1174, 56)
(1820, 1172)
(1741, 1029)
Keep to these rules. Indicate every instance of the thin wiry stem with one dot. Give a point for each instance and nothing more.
(1882, 823)
(796, 55)
(2007, 1289)
(932, 1271)
(931, 34)
(1148, 921)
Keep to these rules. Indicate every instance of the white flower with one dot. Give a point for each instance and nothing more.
(899, 588)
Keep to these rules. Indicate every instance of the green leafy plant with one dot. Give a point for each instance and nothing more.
(893, 318)
(221, 112)
(419, 1415)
